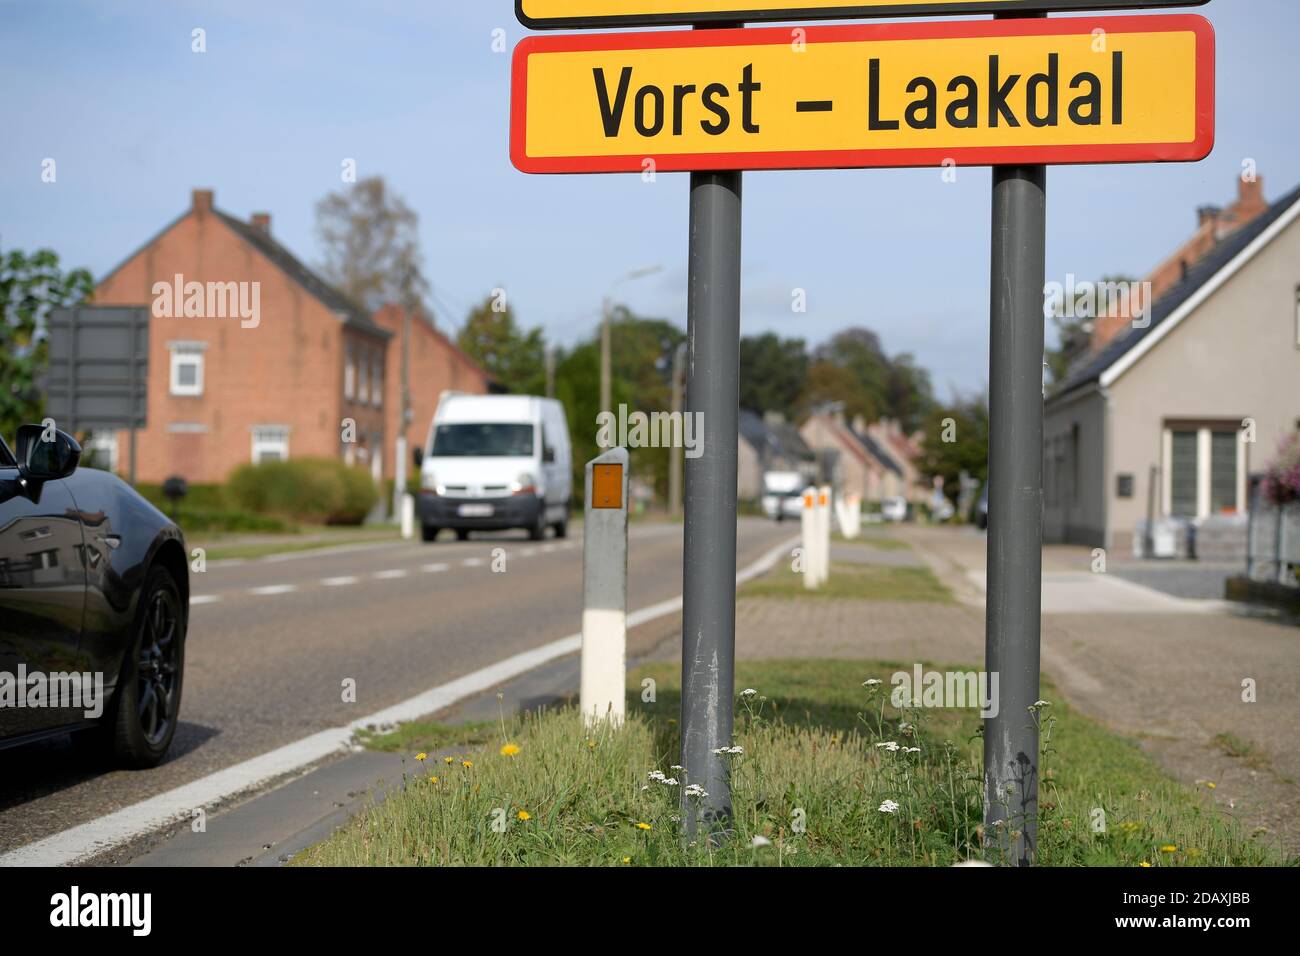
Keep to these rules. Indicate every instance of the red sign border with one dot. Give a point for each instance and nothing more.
(1199, 148)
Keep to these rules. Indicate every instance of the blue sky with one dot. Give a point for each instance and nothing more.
(412, 90)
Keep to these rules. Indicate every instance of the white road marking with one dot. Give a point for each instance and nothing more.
(204, 599)
(339, 581)
(472, 562)
(391, 573)
(114, 829)
(435, 567)
(274, 589)
(527, 552)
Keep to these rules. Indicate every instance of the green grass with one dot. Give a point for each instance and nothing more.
(810, 781)
(874, 539)
(871, 582)
(421, 736)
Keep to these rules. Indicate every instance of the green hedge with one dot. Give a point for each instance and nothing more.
(304, 489)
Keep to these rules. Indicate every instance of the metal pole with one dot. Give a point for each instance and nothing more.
(550, 371)
(1015, 546)
(604, 357)
(675, 454)
(709, 567)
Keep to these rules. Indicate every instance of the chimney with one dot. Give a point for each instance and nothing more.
(201, 201)
(262, 221)
(1206, 214)
(1250, 199)
(772, 417)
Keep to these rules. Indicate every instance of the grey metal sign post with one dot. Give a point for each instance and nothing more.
(1015, 536)
(709, 567)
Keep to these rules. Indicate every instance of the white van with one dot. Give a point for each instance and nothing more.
(493, 462)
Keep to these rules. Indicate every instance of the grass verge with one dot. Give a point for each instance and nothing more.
(216, 550)
(870, 582)
(808, 788)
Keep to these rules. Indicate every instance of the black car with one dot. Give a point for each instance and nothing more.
(94, 593)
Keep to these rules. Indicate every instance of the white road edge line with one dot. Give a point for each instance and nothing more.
(340, 581)
(274, 589)
(204, 599)
(114, 829)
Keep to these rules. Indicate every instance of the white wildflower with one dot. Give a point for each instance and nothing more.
(889, 806)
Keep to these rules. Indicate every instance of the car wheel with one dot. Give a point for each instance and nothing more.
(562, 528)
(462, 534)
(538, 530)
(140, 726)
(429, 532)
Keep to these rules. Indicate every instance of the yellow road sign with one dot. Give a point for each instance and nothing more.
(1032, 91)
(577, 14)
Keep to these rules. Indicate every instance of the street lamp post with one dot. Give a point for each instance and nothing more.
(606, 308)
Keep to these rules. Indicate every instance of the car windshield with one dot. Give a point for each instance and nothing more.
(486, 440)
(7, 459)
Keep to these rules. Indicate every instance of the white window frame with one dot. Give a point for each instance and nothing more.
(350, 374)
(269, 438)
(363, 378)
(1203, 468)
(187, 353)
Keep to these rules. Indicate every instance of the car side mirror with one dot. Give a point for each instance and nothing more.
(548, 455)
(46, 454)
(418, 455)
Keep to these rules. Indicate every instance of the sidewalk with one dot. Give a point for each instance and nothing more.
(1165, 670)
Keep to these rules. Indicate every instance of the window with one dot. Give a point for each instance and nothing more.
(485, 440)
(377, 380)
(1183, 472)
(350, 375)
(1204, 470)
(270, 443)
(187, 368)
(363, 379)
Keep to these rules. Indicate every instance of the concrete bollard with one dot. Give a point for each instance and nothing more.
(808, 538)
(824, 533)
(408, 517)
(604, 589)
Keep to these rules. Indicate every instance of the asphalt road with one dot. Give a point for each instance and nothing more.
(272, 641)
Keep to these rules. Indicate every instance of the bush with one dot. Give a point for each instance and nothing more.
(306, 489)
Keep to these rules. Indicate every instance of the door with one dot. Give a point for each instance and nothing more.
(42, 597)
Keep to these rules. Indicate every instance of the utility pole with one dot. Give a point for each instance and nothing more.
(550, 371)
(604, 356)
(675, 454)
(404, 416)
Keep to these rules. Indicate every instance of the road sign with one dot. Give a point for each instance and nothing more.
(98, 367)
(1001, 92)
(580, 14)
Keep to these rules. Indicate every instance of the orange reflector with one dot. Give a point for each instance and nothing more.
(822, 500)
(807, 501)
(607, 486)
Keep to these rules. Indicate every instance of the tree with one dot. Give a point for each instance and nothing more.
(909, 395)
(515, 360)
(372, 246)
(957, 440)
(773, 374)
(30, 285)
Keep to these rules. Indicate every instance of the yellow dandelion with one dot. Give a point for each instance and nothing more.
(1169, 848)
(524, 815)
(433, 779)
(509, 750)
(627, 859)
(422, 756)
(448, 760)
(591, 745)
(644, 826)
(467, 764)
(1144, 863)
(1211, 784)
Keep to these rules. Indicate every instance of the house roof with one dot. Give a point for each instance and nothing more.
(1214, 268)
(352, 315)
(767, 440)
(880, 454)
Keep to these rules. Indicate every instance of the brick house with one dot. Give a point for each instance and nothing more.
(253, 356)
